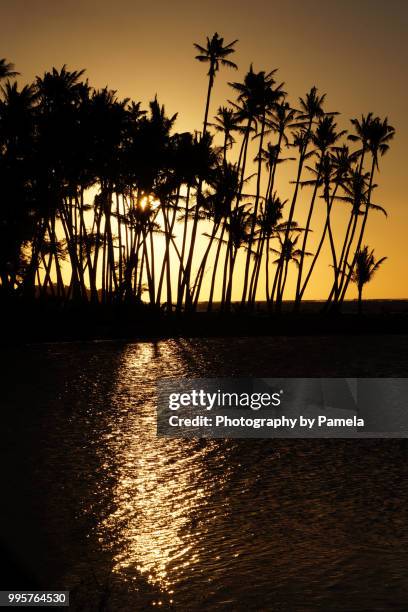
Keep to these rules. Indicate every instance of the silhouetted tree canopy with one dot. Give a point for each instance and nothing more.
(102, 200)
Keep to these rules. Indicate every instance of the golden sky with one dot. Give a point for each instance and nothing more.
(354, 50)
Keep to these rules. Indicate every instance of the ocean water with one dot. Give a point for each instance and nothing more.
(95, 503)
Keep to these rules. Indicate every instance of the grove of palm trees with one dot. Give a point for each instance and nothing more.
(103, 201)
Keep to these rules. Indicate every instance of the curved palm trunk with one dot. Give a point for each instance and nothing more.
(120, 262)
(139, 288)
(345, 243)
(98, 243)
(113, 281)
(153, 267)
(37, 241)
(148, 269)
(224, 155)
(77, 279)
(242, 160)
(349, 238)
(348, 241)
(275, 165)
(233, 255)
(255, 274)
(180, 286)
(168, 229)
(47, 277)
(267, 273)
(305, 237)
(207, 104)
(291, 214)
(274, 286)
(269, 191)
(214, 274)
(360, 239)
(285, 277)
(331, 242)
(187, 274)
(201, 270)
(323, 236)
(227, 263)
(242, 151)
(255, 213)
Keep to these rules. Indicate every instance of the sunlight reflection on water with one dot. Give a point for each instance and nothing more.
(161, 483)
(129, 520)
(189, 512)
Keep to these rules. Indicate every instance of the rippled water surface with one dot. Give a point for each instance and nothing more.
(97, 504)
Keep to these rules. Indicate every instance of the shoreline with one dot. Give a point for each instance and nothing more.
(40, 323)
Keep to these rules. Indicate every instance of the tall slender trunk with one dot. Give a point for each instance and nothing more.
(317, 253)
(360, 239)
(153, 266)
(274, 286)
(255, 213)
(113, 281)
(214, 274)
(224, 156)
(343, 267)
(255, 273)
(225, 272)
(233, 255)
(302, 158)
(77, 278)
(348, 241)
(305, 237)
(120, 262)
(242, 159)
(187, 275)
(201, 270)
(180, 286)
(148, 268)
(47, 276)
(269, 191)
(29, 277)
(207, 104)
(165, 262)
(285, 276)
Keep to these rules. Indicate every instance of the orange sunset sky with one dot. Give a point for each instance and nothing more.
(355, 51)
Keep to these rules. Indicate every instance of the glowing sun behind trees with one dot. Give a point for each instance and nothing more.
(105, 201)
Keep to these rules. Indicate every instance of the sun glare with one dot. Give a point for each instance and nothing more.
(148, 201)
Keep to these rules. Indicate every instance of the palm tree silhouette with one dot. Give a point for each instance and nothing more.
(7, 69)
(92, 184)
(376, 137)
(355, 188)
(364, 269)
(215, 53)
(336, 167)
(324, 138)
(217, 207)
(206, 161)
(18, 217)
(270, 157)
(226, 121)
(287, 253)
(270, 226)
(311, 108)
(283, 117)
(258, 96)
(239, 230)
